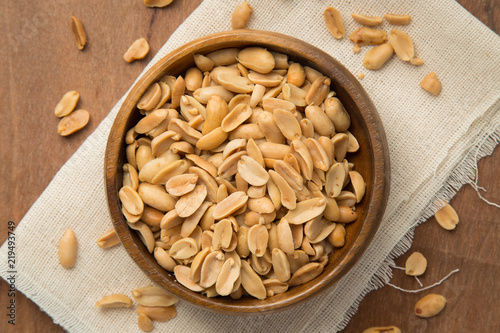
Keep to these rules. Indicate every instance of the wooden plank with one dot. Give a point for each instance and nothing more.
(40, 62)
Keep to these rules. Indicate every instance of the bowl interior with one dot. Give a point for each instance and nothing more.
(372, 161)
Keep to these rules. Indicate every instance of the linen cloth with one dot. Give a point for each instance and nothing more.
(434, 144)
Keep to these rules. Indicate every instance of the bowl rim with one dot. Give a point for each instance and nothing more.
(273, 40)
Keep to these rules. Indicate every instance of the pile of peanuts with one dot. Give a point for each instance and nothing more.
(236, 175)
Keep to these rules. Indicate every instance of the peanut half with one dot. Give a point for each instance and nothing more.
(138, 50)
(73, 122)
(447, 217)
(395, 19)
(108, 239)
(430, 305)
(68, 247)
(157, 3)
(78, 32)
(241, 15)
(368, 36)
(416, 264)
(388, 329)
(371, 21)
(376, 57)
(114, 301)
(334, 22)
(402, 44)
(67, 104)
(153, 296)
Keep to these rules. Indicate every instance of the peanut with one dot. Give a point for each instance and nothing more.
(78, 32)
(432, 84)
(138, 50)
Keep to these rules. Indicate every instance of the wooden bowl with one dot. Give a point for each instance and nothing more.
(372, 161)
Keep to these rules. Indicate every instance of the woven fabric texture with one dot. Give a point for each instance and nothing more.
(434, 143)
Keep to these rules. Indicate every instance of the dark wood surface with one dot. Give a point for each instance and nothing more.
(40, 62)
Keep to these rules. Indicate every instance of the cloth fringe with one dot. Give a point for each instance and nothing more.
(464, 173)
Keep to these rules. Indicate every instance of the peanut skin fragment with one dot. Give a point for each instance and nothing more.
(432, 84)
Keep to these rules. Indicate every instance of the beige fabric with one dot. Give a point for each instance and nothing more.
(434, 143)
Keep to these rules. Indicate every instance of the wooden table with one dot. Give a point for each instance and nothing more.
(40, 63)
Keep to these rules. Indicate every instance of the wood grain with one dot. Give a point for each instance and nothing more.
(40, 62)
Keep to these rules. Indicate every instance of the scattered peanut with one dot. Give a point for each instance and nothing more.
(398, 19)
(416, 61)
(108, 239)
(416, 264)
(68, 247)
(158, 313)
(138, 50)
(157, 3)
(371, 21)
(431, 83)
(430, 305)
(144, 323)
(368, 36)
(334, 22)
(114, 301)
(447, 217)
(389, 329)
(402, 44)
(78, 32)
(67, 104)
(73, 122)
(378, 56)
(240, 16)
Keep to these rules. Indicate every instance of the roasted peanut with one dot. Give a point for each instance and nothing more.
(138, 50)
(78, 32)
(397, 19)
(68, 247)
(157, 3)
(73, 122)
(402, 44)
(67, 104)
(370, 21)
(378, 56)
(334, 22)
(432, 84)
(368, 36)
(240, 16)
(430, 305)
